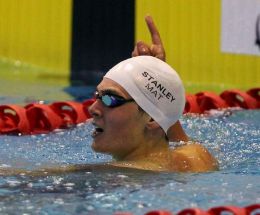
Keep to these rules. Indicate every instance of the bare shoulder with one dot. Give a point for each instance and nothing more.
(194, 158)
(194, 148)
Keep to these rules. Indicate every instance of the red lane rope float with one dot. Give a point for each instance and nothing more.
(255, 93)
(210, 100)
(71, 112)
(252, 209)
(13, 119)
(234, 210)
(191, 105)
(42, 118)
(230, 209)
(237, 98)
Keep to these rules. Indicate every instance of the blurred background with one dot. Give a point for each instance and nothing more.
(214, 45)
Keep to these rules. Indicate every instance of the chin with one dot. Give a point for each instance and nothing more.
(94, 146)
(97, 147)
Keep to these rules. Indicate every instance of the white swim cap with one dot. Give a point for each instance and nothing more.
(154, 85)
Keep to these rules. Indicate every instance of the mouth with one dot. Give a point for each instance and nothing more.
(97, 131)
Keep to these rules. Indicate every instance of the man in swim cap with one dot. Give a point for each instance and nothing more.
(139, 103)
(138, 100)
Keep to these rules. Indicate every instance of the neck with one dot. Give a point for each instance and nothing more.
(145, 150)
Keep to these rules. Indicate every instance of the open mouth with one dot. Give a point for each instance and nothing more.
(97, 131)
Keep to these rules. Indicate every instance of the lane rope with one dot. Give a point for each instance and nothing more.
(253, 209)
(43, 118)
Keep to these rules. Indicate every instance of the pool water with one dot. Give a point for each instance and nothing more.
(233, 138)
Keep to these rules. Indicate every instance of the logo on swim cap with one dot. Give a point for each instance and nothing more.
(155, 88)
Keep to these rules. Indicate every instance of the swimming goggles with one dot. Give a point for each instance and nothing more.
(110, 100)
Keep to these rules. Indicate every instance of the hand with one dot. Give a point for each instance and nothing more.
(156, 49)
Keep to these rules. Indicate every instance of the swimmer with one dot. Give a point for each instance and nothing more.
(137, 111)
(138, 103)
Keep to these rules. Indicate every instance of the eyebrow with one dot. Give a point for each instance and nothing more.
(109, 92)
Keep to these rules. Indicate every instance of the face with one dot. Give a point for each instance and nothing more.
(119, 130)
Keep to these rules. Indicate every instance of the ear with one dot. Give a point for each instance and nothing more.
(176, 133)
(151, 124)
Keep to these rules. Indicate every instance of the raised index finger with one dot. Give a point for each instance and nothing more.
(156, 39)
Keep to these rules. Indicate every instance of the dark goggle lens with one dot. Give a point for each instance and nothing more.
(112, 100)
(107, 100)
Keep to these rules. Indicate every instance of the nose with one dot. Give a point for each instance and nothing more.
(95, 110)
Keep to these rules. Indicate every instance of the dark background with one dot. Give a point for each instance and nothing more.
(102, 35)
